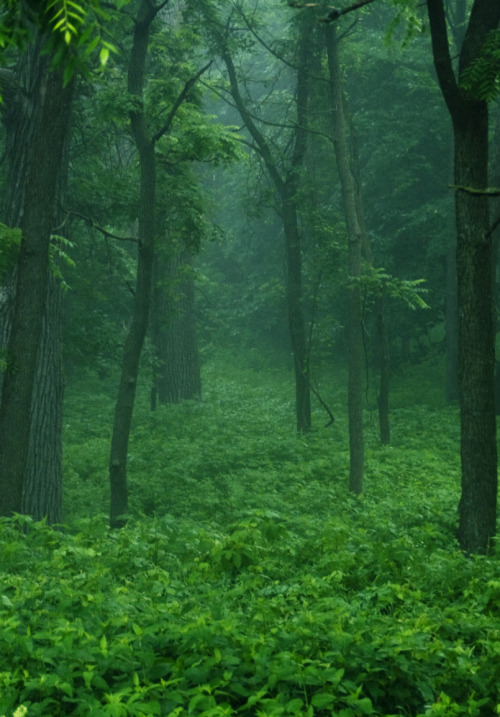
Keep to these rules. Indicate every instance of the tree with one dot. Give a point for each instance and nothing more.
(31, 289)
(286, 180)
(42, 485)
(355, 241)
(138, 326)
(145, 139)
(468, 108)
(56, 39)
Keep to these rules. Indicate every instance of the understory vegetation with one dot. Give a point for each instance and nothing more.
(248, 581)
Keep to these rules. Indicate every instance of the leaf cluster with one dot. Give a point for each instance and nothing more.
(377, 282)
(481, 78)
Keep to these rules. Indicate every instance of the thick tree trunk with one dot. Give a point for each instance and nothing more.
(451, 308)
(176, 372)
(354, 248)
(42, 494)
(477, 509)
(476, 338)
(31, 289)
(142, 298)
(23, 91)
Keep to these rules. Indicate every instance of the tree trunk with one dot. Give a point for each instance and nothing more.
(286, 187)
(23, 91)
(42, 494)
(176, 374)
(451, 308)
(476, 339)
(142, 297)
(296, 321)
(476, 356)
(355, 242)
(41, 185)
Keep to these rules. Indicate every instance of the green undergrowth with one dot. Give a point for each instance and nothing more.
(248, 581)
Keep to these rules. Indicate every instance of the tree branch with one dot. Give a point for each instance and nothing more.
(93, 225)
(486, 192)
(334, 13)
(180, 99)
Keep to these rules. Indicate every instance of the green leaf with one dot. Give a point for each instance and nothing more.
(322, 699)
(103, 55)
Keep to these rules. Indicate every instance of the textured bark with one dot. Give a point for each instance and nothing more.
(451, 308)
(142, 298)
(22, 92)
(355, 243)
(477, 509)
(42, 494)
(31, 288)
(177, 365)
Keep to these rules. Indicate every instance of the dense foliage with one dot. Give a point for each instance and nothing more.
(248, 581)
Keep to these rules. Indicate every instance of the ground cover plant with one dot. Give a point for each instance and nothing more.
(248, 581)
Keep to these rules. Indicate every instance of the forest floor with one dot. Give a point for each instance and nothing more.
(248, 581)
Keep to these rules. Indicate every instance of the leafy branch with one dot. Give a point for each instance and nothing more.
(482, 77)
(377, 281)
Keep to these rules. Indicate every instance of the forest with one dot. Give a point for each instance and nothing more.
(248, 321)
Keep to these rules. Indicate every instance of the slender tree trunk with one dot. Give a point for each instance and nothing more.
(31, 289)
(382, 333)
(142, 298)
(177, 365)
(296, 321)
(355, 242)
(286, 186)
(477, 508)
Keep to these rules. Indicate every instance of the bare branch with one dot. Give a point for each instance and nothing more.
(334, 13)
(93, 225)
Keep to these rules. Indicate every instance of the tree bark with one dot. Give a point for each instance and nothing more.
(42, 493)
(355, 243)
(22, 91)
(451, 308)
(142, 297)
(31, 289)
(476, 356)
